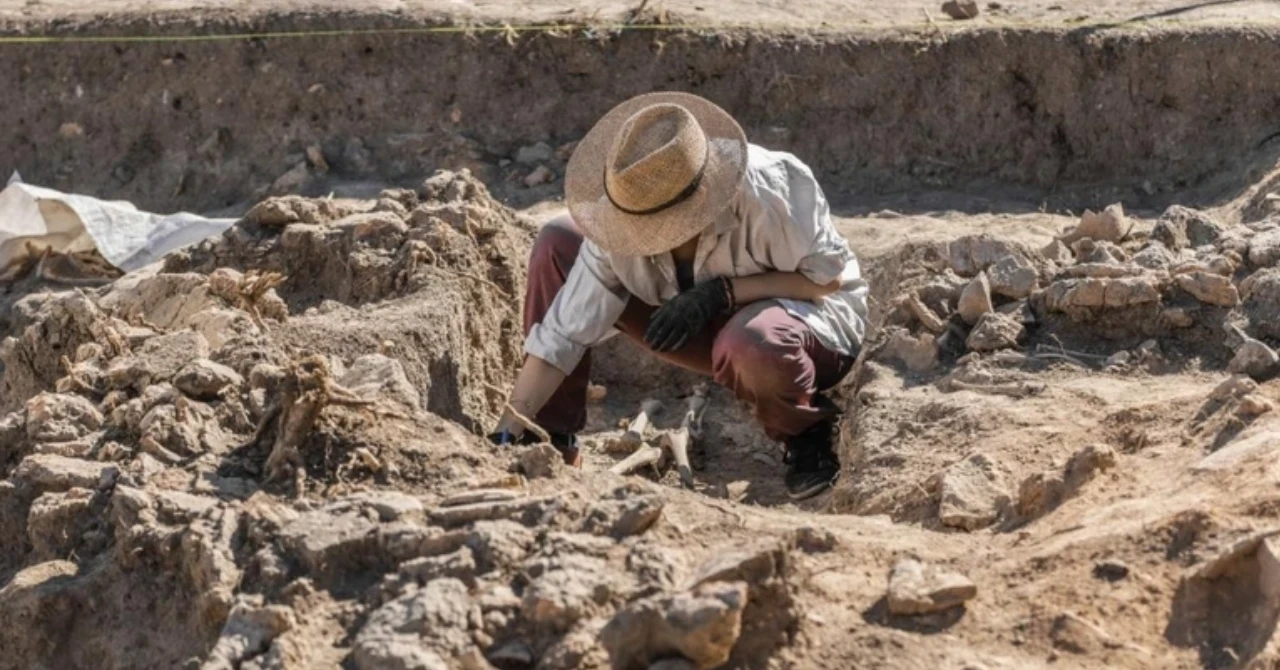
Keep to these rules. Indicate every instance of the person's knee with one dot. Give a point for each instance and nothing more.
(557, 243)
(746, 356)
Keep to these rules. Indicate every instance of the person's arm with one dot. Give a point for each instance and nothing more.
(582, 314)
(783, 285)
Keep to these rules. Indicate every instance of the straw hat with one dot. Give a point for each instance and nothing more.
(654, 172)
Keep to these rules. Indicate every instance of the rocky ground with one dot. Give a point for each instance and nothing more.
(1059, 451)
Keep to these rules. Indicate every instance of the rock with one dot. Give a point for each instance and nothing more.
(203, 379)
(57, 521)
(1261, 293)
(540, 175)
(499, 544)
(1199, 228)
(1170, 235)
(1073, 634)
(1210, 288)
(1254, 405)
(630, 514)
(973, 495)
(46, 472)
(1089, 250)
(324, 543)
(401, 652)
(975, 300)
(1111, 570)
(60, 418)
(541, 460)
(377, 376)
(1155, 256)
(461, 565)
(754, 563)
(389, 505)
(972, 254)
(248, 631)
(1264, 248)
(994, 332)
(1118, 359)
(1084, 465)
(1255, 359)
(1109, 225)
(292, 180)
(1235, 386)
(1074, 294)
(514, 652)
(572, 589)
(960, 10)
(919, 588)
(159, 359)
(701, 625)
(919, 353)
(1059, 253)
(435, 617)
(535, 153)
(1012, 277)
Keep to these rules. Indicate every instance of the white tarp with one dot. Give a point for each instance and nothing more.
(129, 239)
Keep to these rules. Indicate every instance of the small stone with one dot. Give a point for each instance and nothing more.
(203, 379)
(701, 625)
(1058, 252)
(316, 156)
(631, 515)
(540, 175)
(541, 460)
(1261, 292)
(1254, 405)
(596, 393)
(1109, 225)
(973, 494)
(1118, 359)
(71, 129)
(960, 10)
(919, 353)
(1111, 570)
(1089, 250)
(461, 564)
(994, 332)
(814, 540)
(1012, 277)
(535, 153)
(57, 521)
(432, 620)
(1073, 634)
(919, 588)
(1155, 256)
(1255, 359)
(975, 300)
(1210, 288)
(574, 590)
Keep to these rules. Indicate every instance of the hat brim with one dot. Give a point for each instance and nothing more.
(618, 232)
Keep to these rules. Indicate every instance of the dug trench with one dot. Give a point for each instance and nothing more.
(1059, 446)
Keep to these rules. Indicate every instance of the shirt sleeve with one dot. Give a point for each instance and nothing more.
(803, 239)
(582, 314)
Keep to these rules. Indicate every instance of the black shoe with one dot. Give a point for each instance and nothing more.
(812, 465)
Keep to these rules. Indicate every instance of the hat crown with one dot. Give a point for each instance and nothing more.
(658, 155)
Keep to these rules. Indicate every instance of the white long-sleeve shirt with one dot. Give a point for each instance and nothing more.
(779, 222)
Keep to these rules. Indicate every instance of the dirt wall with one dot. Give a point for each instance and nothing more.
(207, 125)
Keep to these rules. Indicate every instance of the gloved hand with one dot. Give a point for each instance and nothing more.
(685, 315)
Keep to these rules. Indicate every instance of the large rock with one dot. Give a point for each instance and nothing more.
(417, 630)
(47, 472)
(56, 522)
(973, 494)
(1261, 292)
(1264, 248)
(324, 542)
(918, 352)
(701, 625)
(1255, 359)
(1109, 225)
(1210, 288)
(919, 588)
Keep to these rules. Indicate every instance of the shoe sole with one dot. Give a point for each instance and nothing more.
(814, 490)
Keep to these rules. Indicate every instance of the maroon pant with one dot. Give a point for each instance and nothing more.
(768, 358)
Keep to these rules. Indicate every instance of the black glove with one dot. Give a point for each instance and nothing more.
(685, 315)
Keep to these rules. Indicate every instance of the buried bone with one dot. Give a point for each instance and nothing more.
(675, 442)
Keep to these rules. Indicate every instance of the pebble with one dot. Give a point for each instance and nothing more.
(1111, 570)
(535, 153)
(960, 10)
(1012, 277)
(920, 588)
(540, 175)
